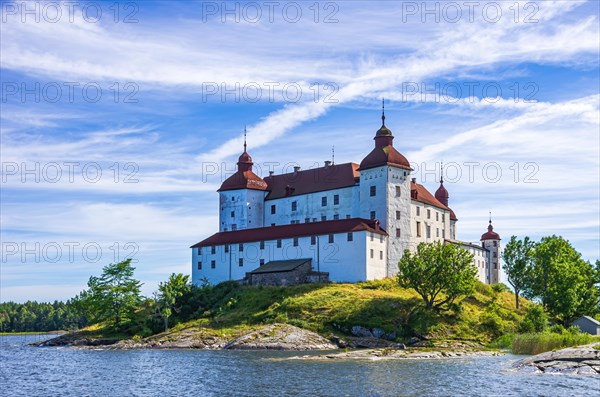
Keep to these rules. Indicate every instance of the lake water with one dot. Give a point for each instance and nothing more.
(31, 371)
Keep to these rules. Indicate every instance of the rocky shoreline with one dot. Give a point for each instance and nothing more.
(580, 360)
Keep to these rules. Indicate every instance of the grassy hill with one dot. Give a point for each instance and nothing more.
(332, 309)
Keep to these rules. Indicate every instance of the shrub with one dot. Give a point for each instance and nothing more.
(500, 287)
(535, 320)
(546, 341)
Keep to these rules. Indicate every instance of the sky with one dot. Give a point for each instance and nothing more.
(119, 120)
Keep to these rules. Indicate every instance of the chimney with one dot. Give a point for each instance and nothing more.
(376, 224)
(271, 173)
(414, 180)
(327, 164)
(296, 169)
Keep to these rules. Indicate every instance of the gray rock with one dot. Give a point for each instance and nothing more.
(360, 331)
(280, 337)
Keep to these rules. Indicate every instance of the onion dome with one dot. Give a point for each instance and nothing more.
(244, 178)
(491, 234)
(453, 216)
(384, 152)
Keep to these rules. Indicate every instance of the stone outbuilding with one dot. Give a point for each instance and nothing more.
(588, 325)
(285, 272)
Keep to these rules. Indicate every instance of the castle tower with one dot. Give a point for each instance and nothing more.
(241, 197)
(491, 241)
(385, 193)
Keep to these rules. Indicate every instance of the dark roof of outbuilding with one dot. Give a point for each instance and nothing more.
(291, 231)
(333, 176)
(280, 266)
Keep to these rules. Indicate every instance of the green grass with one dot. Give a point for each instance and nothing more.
(546, 341)
(334, 308)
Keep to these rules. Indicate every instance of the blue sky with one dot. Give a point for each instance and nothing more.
(534, 106)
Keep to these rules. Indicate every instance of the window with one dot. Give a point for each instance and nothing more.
(241, 247)
(213, 264)
(347, 216)
(323, 217)
(233, 227)
(372, 214)
(306, 220)
(314, 219)
(418, 228)
(241, 262)
(336, 216)
(233, 214)
(437, 232)
(226, 248)
(262, 262)
(295, 241)
(372, 236)
(262, 245)
(428, 231)
(397, 232)
(418, 211)
(350, 237)
(313, 240)
(331, 239)
(294, 205)
(199, 250)
(273, 209)
(397, 214)
(372, 254)
(323, 201)
(495, 243)
(272, 224)
(233, 199)
(437, 216)
(398, 191)
(213, 250)
(495, 255)
(199, 265)
(443, 233)
(373, 191)
(428, 214)
(336, 199)
(278, 243)
(381, 255)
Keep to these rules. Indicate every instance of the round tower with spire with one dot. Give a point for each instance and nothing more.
(385, 193)
(241, 197)
(491, 241)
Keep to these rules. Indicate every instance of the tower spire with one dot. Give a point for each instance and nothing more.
(244, 138)
(383, 112)
(442, 172)
(333, 155)
(490, 217)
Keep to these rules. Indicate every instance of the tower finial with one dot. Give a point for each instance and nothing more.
(383, 111)
(442, 172)
(333, 155)
(244, 138)
(490, 217)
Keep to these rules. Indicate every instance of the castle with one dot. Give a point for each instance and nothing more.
(349, 222)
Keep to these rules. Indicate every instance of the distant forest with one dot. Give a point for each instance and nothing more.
(34, 316)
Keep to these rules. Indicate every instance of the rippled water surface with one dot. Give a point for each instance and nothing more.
(31, 371)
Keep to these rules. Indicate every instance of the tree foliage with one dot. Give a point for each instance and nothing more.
(439, 272)
(168, 292)
(518, 258)
(114, 296)
(34, 316)
(566, 285)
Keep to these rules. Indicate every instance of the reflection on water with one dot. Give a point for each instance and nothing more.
(30, 371)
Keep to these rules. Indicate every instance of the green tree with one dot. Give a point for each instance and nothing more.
(535, 320)
(566, 285)
(439, 272)
(176, 286)
(518, 258)
(115, 295)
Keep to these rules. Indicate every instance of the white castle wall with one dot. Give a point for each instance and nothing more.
(246, 206)
(338, 258)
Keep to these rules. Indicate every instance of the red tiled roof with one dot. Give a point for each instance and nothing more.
(490, 234)
(453, 216)
(421, 194)
(313, 180)
(243, 180)
(384, 155)
(290, 231)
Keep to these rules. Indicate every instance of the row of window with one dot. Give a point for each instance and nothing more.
(437, 214)
(428, 231)
(279, 243)
(373, 254)
(213, 263)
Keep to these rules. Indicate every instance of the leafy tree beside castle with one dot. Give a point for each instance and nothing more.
(114, 296)
(518, 259)
(168, 292)
(439, 272)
